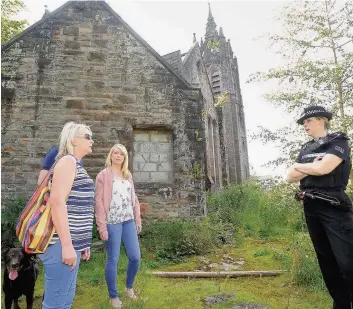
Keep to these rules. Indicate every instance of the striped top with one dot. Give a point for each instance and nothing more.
(80, 210)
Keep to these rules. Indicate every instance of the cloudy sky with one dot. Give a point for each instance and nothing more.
(169, 26)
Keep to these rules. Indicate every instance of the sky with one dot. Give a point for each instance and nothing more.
(169, 26)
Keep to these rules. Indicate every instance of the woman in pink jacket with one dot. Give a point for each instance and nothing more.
(118, 219)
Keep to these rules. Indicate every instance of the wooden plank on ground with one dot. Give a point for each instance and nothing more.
(217, 274)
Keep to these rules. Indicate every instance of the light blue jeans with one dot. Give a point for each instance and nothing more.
(126, 232)
(60, 282)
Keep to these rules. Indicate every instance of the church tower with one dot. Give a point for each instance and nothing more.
(223, 73)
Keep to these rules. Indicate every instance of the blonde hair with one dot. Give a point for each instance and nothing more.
(326, 122)
(68, 133)
(66, 127)
(124, 169)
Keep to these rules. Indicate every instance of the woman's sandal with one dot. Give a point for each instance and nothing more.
(130, 294)
(116, 302)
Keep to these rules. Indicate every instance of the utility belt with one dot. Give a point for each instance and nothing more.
(317, 195)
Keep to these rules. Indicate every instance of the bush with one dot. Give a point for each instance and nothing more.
(254, 210)
(9, 216)
(227, 206)
(176, 238)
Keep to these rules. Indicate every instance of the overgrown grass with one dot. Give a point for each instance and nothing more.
(270, 214)
(163, 293)
(266, 228)
(177, 238)
(255, 211)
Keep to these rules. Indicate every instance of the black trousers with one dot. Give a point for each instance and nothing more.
(331, 232)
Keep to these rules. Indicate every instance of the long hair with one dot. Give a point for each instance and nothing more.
(124, 168)
(68, 133)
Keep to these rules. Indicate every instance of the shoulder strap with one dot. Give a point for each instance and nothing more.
(50, 172)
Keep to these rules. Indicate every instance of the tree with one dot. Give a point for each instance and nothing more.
(10, 27)
(316, 43)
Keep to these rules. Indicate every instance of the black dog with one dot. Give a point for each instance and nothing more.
(20, 275)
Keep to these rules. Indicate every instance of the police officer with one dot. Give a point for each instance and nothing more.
(323, 167)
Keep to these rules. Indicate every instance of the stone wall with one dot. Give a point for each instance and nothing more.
(196, 73)
(84, 64)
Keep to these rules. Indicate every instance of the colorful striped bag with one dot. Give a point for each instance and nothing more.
(35, 227)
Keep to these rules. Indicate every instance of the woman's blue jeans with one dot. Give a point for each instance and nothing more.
(126, 232)
(60, 281)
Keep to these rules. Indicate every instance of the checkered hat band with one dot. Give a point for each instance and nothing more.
(313, 111)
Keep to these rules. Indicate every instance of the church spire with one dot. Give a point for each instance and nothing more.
(210, 17)
(221, 35)
(211, 25)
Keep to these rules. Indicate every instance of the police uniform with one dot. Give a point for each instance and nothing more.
(330, 226)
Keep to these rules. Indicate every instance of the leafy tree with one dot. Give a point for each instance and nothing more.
(10, 27)
(316, 44)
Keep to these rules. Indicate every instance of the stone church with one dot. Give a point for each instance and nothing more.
(180, 115)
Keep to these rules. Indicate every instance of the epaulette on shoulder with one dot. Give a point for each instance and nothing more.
(338, 135)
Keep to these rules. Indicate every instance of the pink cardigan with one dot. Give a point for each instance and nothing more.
(104, 189)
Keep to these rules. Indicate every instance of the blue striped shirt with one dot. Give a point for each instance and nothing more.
(80, 210)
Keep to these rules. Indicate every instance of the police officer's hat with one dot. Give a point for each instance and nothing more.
(314, 111)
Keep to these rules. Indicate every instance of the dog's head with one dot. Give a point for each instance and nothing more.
(15, 259)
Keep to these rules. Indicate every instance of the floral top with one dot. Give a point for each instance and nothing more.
(120, 209)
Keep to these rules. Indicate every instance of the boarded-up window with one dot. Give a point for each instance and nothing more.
(153, 156)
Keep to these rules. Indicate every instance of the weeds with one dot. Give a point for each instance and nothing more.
(10, 212)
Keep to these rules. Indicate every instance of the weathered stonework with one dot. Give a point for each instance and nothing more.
(222, 69)
(84, 63)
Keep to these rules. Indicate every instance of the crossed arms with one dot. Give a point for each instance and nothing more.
(321, 166)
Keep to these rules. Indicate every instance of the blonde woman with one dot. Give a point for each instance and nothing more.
(51, 155)
(72, 202)
(117, 211)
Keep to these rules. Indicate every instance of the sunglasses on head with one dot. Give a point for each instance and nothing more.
(88, 137)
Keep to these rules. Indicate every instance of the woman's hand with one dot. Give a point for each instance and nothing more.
(69, 256)
(103, 235)
(138, 227)
(86, 254)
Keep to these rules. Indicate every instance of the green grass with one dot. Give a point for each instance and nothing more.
(163, 293)
(264, 228)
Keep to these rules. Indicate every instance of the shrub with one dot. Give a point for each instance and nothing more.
(9, 215)
(256, 211)
(229, 205)
(176, 238)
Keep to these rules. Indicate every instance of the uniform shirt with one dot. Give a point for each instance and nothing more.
(120, 209)
(336, 179)
(50, 158)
